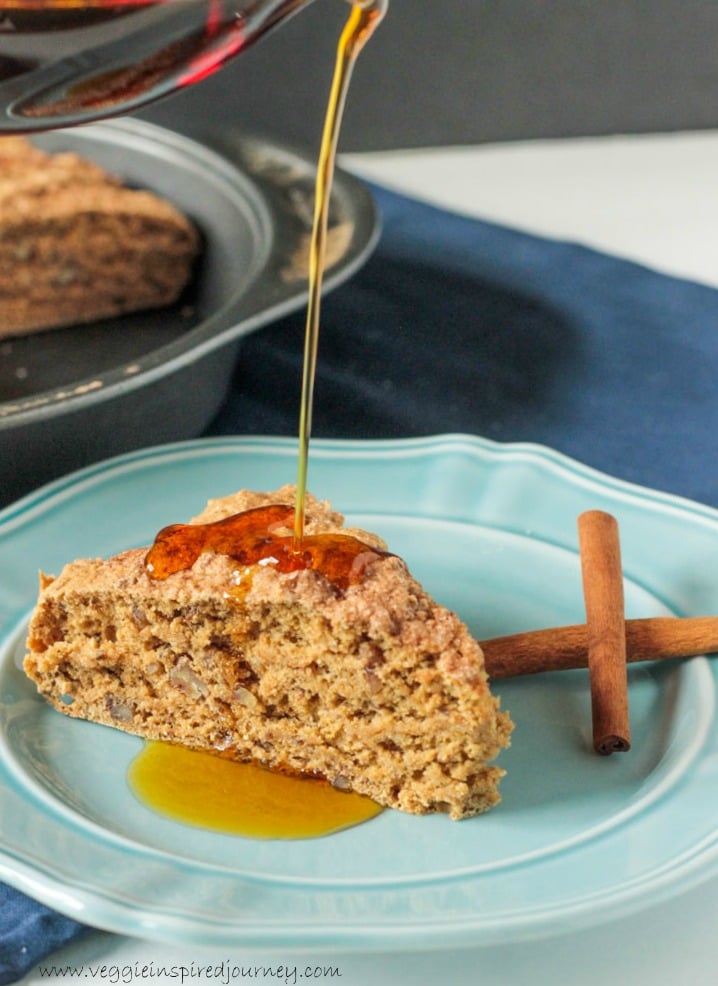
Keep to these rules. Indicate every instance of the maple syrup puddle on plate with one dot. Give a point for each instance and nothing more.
(212, 792)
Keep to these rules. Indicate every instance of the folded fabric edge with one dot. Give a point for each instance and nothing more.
(29, 931)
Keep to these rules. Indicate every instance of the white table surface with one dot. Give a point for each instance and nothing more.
(652, 199)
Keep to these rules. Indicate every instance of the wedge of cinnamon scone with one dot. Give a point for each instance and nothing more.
(77, 246)
(367, 682)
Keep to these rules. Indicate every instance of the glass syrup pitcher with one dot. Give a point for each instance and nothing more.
(64, 62)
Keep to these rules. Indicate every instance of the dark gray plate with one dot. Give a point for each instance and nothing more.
(72, 396)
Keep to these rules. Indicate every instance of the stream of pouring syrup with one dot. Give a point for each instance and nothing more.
(212, 792)
(362, 21)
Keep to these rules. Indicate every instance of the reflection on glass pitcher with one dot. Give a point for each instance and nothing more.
(64, 62)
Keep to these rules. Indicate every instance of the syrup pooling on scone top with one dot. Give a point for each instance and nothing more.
(258, 537)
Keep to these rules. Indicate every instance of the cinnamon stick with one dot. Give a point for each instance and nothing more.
(653, 638)
(603, 597)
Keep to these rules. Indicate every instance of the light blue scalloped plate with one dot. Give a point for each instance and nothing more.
(491, 531)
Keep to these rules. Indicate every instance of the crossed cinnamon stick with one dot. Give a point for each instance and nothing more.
(654, 638)
(606, 642)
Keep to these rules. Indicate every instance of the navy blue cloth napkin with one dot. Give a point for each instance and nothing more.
(460, 325)
(456, 325)
(28, 932)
